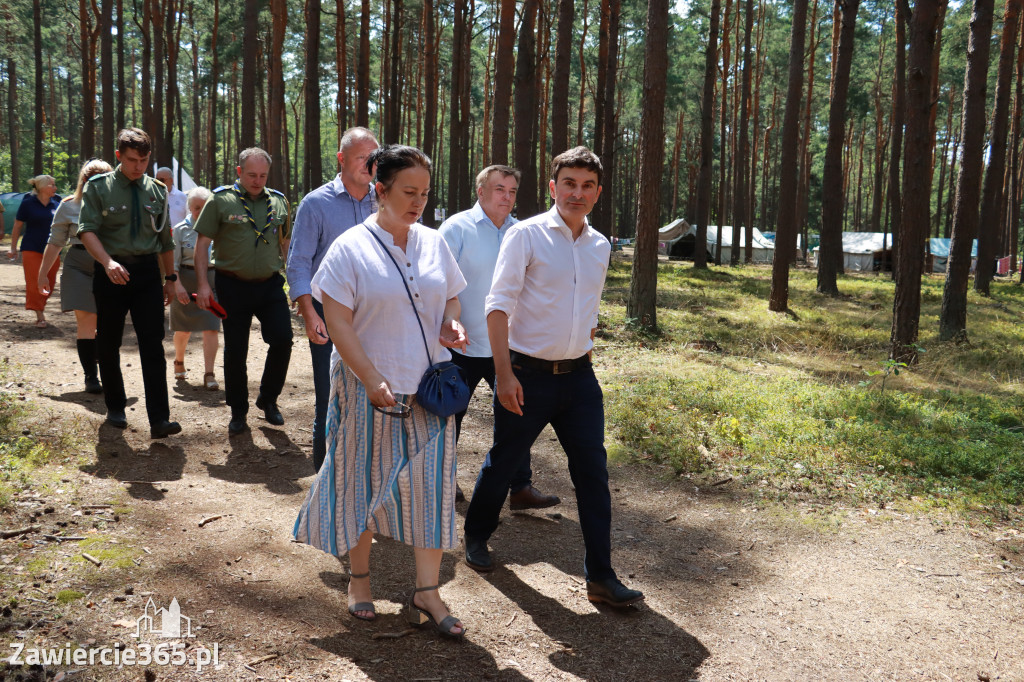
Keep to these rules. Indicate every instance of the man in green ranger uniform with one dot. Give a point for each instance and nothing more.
(249, 226)
(123, 225)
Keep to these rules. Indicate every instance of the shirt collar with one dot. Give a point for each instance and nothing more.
(339, 188)
(479, 216)
(556, 217)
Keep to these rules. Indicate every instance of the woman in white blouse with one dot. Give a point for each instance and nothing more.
(390, 466)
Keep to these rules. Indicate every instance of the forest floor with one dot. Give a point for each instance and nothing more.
(737, 587)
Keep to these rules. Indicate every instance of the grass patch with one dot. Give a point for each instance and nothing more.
(788, 405)
(67, 596)
(110, 553)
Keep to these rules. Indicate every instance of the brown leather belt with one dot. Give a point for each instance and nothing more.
(550, 366)
(186, 267)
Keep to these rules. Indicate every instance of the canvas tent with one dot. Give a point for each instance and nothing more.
(939, 249)
(863, 251)
(186, 183)
(683, 246)
(670, 233)
(11, 202)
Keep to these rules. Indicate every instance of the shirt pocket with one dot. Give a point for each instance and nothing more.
(116, 216)
(151, 215)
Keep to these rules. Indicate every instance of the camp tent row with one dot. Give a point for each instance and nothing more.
(678, 239)
(872, 252)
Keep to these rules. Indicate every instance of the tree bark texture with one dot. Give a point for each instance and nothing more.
(363, 72)
(275, 94)
(39, 104)
(785, 236)
(643, 288)
(831, 253)
(899, 115)
(12, 122)
(504, 68)
(605, 213)
(741, 200)
(992, 190)
(563, 65)
(917, 176)
(430, 122)
(707, 141)
(525, 110)
(313, 172)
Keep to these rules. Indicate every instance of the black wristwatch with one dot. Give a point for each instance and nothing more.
(170, 278)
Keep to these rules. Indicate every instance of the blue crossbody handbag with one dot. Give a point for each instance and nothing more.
(443, 390)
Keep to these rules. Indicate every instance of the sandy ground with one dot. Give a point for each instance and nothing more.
(736, 589)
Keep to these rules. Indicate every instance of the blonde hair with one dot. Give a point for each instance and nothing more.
(38, 180)
(89, 168)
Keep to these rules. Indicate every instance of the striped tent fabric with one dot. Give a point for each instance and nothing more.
(391, 476)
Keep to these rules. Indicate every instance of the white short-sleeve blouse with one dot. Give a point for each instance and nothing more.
(358, 274)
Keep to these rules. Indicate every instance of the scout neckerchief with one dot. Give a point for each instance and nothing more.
(248, 213)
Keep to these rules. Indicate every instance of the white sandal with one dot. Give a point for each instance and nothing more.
(210, 381)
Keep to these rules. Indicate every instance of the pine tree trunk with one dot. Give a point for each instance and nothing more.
(916, 182)
(12, 122)
(392, 120)
(211, 125)
(39, 104)
(107, 70)
(742, 160)
(563, 65)
(457, 125)
(504, 66)
(831, 252)
(275, 95)
(643, 289)
(899, 114)
(525, 110)
(430, 122)
(992, 191)
(785, 236)
(121, 97)
(88, 144)
(313, 172)
(363, 71)
(341, 59)
(707, 141)
(604, 220)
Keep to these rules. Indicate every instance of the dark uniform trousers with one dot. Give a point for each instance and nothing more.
(574, 406)
(143, 297)
(477, 369)
(267, 302)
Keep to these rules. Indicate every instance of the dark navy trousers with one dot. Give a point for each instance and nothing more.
(574, 406)
(321, 354)
(478, 369)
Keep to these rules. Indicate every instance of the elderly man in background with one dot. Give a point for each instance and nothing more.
(474, 237)
(177, 201)
(347, 200)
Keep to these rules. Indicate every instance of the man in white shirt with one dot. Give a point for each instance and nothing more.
(177, 201)
(474, 237)
(541, 319)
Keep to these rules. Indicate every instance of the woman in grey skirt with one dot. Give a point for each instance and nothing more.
(76, 278)
(186, 316)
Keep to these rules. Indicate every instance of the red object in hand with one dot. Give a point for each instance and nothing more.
(215, 308)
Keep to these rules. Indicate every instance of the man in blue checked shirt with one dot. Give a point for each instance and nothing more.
(326, 212)
(474, 237)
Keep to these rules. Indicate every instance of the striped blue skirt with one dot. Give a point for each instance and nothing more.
(391, 476)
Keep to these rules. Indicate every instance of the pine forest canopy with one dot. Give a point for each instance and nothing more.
(476, 82)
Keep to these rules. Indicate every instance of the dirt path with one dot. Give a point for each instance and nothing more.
(736, 590)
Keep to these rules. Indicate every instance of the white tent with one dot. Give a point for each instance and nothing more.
(186, 183)
(763, 251)
(861, 250)
(675, 229)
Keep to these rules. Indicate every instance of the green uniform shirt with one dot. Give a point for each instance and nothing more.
(246, 243)
(130, 218)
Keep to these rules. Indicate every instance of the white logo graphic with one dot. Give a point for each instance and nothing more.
(172, 624)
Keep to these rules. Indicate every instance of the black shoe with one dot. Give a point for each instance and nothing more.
(270, 411)
(93, 385)
(612, 592)
(459, 495)
(237, 426)
(164, 429)
(116, 419)
(477, 556)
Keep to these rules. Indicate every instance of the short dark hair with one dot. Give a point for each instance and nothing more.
(253, 152)
(134, 138)
(577, 157)
(485, 175)
(394, 158)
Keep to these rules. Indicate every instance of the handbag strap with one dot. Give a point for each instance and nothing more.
(408, 293)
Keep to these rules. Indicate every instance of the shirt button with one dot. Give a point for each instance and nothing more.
(410, 279)
(408, 265)
(416, 295)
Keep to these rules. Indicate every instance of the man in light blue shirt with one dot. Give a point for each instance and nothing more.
(325, 213)
(474, 237)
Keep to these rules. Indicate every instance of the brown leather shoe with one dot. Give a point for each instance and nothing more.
(531, 498)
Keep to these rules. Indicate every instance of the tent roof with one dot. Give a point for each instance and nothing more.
(760, 241)
(676, 228)
(939, 247)
(864, 242)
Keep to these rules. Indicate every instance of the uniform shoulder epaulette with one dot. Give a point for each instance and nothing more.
(274, 191)
(222, 188)
(100, 175)
(159, 182)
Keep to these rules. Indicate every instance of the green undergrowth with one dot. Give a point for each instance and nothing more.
(24, 453)
(795, 403)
